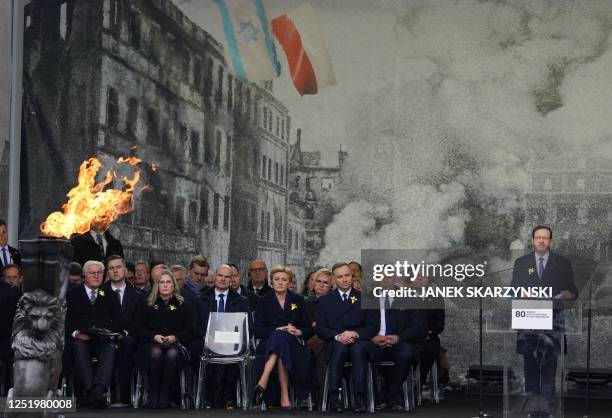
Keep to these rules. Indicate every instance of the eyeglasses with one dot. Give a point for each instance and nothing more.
(165, 282)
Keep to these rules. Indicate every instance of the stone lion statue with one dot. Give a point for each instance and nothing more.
(38, 343)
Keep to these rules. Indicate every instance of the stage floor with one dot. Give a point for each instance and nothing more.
(453, 406)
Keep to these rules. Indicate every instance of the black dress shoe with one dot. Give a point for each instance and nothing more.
(230, 405)
(359, 405)
(335, 405)
(258, 395)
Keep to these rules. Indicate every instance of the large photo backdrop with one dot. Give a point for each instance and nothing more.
(460, 123)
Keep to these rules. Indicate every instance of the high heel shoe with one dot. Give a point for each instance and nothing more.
(258, 394)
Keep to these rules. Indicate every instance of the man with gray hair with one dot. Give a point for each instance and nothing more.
(89, 306)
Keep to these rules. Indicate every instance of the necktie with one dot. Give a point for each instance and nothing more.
(100, 244)
(119, 295)
(221, 303)
(92, 297)
(344, 297)
(4, 258)
(388, 321)
(541, 267)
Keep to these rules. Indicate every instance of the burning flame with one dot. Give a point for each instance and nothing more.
(89, 205)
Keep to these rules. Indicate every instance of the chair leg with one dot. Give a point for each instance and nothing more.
(419, 388)
(325, 390)
(244, 385)
(435, 390)
(348, 392)
(200, 386)
(413, 387)
(370, 388)
(183, 385)
(405, 393)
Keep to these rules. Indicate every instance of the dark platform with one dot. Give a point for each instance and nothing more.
(453, 406)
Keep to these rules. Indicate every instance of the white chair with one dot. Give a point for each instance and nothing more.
(226, 342)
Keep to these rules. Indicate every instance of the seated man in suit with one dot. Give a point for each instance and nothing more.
(9, 297)
(91, 306)
(240, 289)
(345, 327)
(131, 302)
(13, 275)
(540, 350)
(197, 273)
(258, 275)
(221, 383)
(400, 329)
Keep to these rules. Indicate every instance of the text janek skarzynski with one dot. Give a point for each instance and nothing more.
(458, 272)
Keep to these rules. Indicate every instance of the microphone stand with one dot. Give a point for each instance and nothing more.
(481, 410)
(588, 365)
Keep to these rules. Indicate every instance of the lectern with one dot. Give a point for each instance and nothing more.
(534, 348)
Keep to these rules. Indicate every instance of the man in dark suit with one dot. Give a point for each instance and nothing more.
(8, 254)
(400, 330)
(179, 273)
(543, 268)
(90, 306)
(13, 275)
(240, 289)
(131, 302)
(222, 382)
(9, 297)
(258, 274)
(345, 327)
(97, 244)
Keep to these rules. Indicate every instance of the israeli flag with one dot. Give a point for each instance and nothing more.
(249, 43)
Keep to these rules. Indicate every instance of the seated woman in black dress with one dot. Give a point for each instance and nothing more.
(167, 328)
(283, 324)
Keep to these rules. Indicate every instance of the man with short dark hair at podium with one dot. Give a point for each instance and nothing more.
(540, 350)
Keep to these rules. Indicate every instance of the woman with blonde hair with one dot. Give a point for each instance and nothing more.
(167, 329)
(283, 324)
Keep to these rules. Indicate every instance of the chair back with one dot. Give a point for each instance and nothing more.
(227, 334)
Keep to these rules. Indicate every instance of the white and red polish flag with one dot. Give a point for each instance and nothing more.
(309, 64)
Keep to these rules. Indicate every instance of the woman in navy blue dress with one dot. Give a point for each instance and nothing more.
(283, 324)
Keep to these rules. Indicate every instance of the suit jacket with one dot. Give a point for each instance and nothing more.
(264, 289)
(15, 255)
(85, 248)
(206, 304)
(252, 297)
(9, 297)
(409, 324)
(270, 315)
(81, 314)
(173, 318)
(335, 316)
(132, 307)
(558, 273)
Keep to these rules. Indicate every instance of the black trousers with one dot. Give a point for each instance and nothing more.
(540, 375)
(221, 378)
(82, 352)
(357, 354)
(428, 351)
(125, 356)
(403, 355)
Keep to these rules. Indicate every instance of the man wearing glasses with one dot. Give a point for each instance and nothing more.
(90, 306)
(258, 273)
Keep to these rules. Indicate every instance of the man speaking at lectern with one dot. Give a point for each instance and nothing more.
(543, 268)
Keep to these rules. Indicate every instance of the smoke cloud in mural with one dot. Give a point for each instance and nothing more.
(482, 93)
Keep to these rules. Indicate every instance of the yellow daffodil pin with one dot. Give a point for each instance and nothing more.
(293, 306)
(353, 299)
(155, 307)
(530, 270)
(101, 293)
(172, 307)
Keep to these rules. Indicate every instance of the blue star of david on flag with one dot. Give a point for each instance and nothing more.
(249, 46)
(248, 31)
